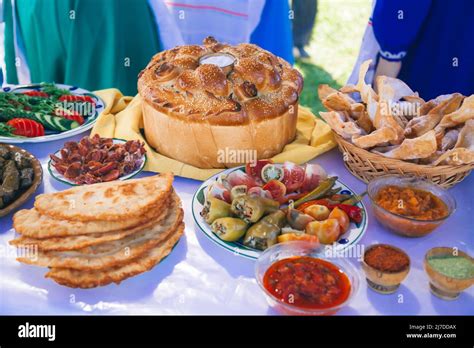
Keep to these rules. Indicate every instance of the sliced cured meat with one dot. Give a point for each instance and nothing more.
(239, 177)
(260, 192)
(314, 174)
(219, 191)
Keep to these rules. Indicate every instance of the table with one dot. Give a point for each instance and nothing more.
(199, 277)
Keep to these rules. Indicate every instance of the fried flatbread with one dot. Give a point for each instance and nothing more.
(83, 241)
(343, 126)
(459, 116)
(90, 279)
(463, 152)
(110, 254)
(424, 123)
(391, 88)
(31, 224)
(416, 148)
(109, 201)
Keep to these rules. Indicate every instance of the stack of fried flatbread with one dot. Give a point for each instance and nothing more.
(397, 123)
(98, 234)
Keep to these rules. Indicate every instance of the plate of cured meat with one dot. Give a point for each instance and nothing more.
(94, 159)
(248, 209)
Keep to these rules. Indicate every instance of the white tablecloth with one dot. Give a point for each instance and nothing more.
(199, 277)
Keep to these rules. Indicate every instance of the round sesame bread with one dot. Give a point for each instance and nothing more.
(250, 105)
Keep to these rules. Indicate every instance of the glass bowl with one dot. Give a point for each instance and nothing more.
(299, 248)
(402, 225)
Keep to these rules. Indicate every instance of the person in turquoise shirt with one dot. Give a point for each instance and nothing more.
(88, 43)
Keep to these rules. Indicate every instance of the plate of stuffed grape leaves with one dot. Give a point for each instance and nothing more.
(248, 209)
(43, 112)
(20, 177)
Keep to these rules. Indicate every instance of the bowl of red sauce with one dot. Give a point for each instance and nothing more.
(298, 278)
(385, 267)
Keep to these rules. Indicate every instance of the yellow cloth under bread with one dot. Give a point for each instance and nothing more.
(122, 118)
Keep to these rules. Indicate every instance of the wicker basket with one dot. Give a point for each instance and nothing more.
(366, 165)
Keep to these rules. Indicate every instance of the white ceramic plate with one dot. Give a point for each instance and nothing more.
(348, 239)
(58, 176)
(52, 135)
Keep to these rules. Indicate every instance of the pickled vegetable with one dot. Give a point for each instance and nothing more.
(327, 231)
(290, 237)
(297, 219)
(237, 191)
(318, 212)
(342, 218)
(229, 229)
(214, 208)
(252, 209)
(319, 191)
(272, 172)
(265, 233)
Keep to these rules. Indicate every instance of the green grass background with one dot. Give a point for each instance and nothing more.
(335, 43)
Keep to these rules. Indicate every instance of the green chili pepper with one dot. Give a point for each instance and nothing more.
(355, 199)
(318, 192)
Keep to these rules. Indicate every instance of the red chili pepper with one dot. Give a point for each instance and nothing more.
(77, 98)
(69, 115)
(354, 213)
(26, 127)
(36, 94)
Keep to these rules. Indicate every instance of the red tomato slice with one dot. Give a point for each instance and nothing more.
(256, 169)
(276, 188)
(70, 115)
(26, 127)
(294, 176)
(36, 94)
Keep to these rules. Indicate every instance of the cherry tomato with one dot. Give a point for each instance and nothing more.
(343, 219)
(276, 188)
(294, 176)
(26, 127)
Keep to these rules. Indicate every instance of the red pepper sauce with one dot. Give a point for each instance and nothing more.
(307, 282)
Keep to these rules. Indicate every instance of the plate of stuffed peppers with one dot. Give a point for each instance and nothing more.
(247, 209)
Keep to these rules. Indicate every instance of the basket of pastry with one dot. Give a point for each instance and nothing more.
(395, 131)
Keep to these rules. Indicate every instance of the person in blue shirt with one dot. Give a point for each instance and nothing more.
(428, 44)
